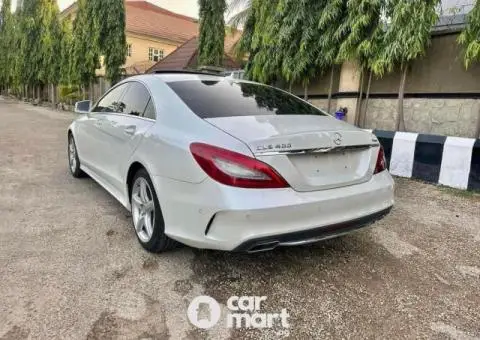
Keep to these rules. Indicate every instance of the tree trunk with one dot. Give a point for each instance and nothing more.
(359, 100)
(305, 92)
(84, 93)
(91, 91)
(400, 123)
(367, 97)
(290, 87)
(39, 91)
(54, 96)
(478, 124)
(330, 89)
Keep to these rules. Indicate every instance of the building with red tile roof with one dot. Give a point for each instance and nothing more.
(153, 33)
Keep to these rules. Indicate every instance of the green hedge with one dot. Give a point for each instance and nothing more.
(70, 94)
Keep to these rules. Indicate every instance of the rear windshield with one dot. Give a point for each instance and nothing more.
(212, 99)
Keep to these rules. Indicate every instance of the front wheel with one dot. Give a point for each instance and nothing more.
(147, 216)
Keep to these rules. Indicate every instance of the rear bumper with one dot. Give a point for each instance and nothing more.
(311, 235)
(214, 216)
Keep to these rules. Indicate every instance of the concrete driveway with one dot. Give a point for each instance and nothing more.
(71, 267)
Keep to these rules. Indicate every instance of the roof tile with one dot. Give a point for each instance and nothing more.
(185, 57)
(145, 18)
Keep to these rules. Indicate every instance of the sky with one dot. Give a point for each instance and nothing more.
(186, 7)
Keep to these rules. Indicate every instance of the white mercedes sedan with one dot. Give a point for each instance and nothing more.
(219, 163)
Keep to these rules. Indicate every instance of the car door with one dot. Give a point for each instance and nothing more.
(125, 129)
(92, 141)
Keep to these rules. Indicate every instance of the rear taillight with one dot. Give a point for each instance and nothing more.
(234, 169)
(381, 162)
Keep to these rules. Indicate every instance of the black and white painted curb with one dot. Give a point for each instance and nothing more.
(449, 161)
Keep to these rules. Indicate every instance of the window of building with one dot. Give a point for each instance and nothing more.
(155, 54)
(129, 50)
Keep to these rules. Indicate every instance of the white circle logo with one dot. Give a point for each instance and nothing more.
(204, 312)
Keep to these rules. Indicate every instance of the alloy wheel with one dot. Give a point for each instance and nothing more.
(143, 209)
(72, 154)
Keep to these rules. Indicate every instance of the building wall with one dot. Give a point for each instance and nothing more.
(141, 45)
(449, 117)
(349, 77)
(440, 71)
(319, 85)
(442, 97)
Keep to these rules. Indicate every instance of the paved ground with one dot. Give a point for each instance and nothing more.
(71, 267)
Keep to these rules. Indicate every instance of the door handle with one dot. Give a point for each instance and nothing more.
(130, 130)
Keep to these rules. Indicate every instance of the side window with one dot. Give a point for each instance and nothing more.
(110, 102)
(150, 110)
(135, 100)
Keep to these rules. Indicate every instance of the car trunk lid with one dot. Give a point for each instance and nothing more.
(310, 152)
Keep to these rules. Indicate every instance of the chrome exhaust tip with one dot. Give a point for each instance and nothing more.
(261, 247)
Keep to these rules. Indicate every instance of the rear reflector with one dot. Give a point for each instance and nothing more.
(381, 161)
(234, 169)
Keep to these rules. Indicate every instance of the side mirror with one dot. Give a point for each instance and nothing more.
(83, 106)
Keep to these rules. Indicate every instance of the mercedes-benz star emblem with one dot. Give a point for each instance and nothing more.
(337, 138)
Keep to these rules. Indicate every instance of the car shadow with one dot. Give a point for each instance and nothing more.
(224, 274)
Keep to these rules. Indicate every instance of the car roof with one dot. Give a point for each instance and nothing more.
(171, 77)
(176, 76)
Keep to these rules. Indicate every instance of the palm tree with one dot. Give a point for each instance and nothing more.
(240, 10)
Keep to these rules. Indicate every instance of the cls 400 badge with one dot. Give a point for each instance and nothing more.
(274, 147)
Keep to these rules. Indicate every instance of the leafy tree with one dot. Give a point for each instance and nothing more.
(333, 30)
(407, 35)
(65, 51)
(470, 37)
(470, 40)
(363, 41)
(295, 37)
(112, 40)
(7, 35)
(265, 57)
(19, 5)
(212, 32)
(86, 51)
(293, 40)
(242, 48)
(50, 44)
(17, 59)
(29, 58)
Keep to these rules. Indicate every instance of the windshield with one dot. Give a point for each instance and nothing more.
(212, 99)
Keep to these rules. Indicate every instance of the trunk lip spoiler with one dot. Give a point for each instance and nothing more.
(317, 150)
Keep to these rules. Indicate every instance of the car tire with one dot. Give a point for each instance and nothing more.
(73, 160)
(147, 215)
